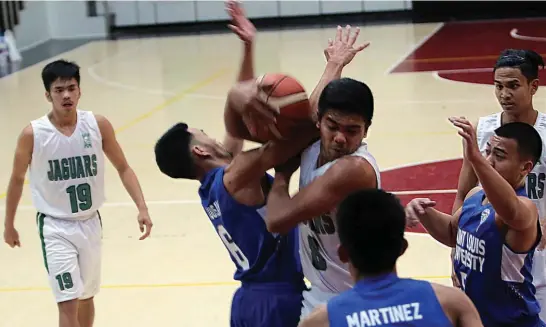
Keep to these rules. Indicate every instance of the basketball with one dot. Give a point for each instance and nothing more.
(287, 95)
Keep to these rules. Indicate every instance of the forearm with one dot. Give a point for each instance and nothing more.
(440, 226)
(15, 190)
(131, 184)
(499, 192)
(467, 181)
(247, 65)
(331, 72)
(234, 144)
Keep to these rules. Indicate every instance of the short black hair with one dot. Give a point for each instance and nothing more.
(347, 96)
(527, 61)
(527, 138)
(371, 226)
(62, 69)
(173, 154)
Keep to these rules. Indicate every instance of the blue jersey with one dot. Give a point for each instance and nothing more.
(259, 256)
(497, 279)
(387, 300)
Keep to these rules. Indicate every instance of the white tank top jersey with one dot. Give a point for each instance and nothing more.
(318, 237)
(535, 181)
(67, 172)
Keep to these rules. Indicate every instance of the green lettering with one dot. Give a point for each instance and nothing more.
(50, 173)
(87, 163)
(94, 164)
(80, 171)
(65, 169)
(58, 171)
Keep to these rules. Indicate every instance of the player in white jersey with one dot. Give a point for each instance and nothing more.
(516, 82)
(331, 169)
(64, 153)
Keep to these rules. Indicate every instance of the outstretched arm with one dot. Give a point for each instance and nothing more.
(339, 53)
(467, 181)
(441, 226)
(115, 154)
(246, 31)
(519, 213)
(321, 196)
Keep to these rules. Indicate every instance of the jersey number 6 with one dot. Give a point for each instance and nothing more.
(236, 253)
(316, 257)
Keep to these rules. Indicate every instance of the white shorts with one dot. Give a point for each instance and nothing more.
(313, 298)
(72, 255)
(539, 280)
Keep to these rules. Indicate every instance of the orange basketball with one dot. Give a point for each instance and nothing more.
(289, 96)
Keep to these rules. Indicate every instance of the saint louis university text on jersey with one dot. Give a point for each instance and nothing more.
(470, 250)
(384, 316)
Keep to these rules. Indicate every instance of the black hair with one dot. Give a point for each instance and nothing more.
(62, 69)
(371, 226)
(527, 61)
(527, 138)
(347, 96)
(173, 154)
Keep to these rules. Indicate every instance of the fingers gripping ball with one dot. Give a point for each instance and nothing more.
(288, 96)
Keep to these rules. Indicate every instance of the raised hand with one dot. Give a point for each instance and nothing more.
(342, 50)
(240, 24)
(468, 133)
(416, 208)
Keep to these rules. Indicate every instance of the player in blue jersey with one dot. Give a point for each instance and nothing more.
(371, 227)
(496, 231)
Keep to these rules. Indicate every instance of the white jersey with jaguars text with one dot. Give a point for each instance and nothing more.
(318, 237)
(535, 189)
(67, 172)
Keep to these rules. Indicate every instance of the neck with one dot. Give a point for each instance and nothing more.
(209, 165)
(67, 120)
(527, 116)
(362, 276)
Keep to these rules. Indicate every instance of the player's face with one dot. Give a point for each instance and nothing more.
(503, 155)
(513, 91)
(64, 94)
(341, 134)
(208, 144)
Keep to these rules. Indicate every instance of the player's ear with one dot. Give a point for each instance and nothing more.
(342, 253)
(200, 151)
(48, 96)
(534, 86)
(404, 247)
(527, 167)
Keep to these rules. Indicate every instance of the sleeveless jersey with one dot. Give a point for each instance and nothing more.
(535, 181)
(497, 279)
(387, 301)
(67, 172)
(259, 256)
(318, 237)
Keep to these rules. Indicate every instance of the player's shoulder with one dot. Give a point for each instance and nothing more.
(456, 305)
(27, 131)
(491, 120)
(473, 191)
(450, 298)
(352, 168)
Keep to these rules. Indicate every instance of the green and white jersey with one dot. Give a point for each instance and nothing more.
(67, 172)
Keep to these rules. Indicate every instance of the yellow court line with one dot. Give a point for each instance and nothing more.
(177, 97)
(167, 285)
